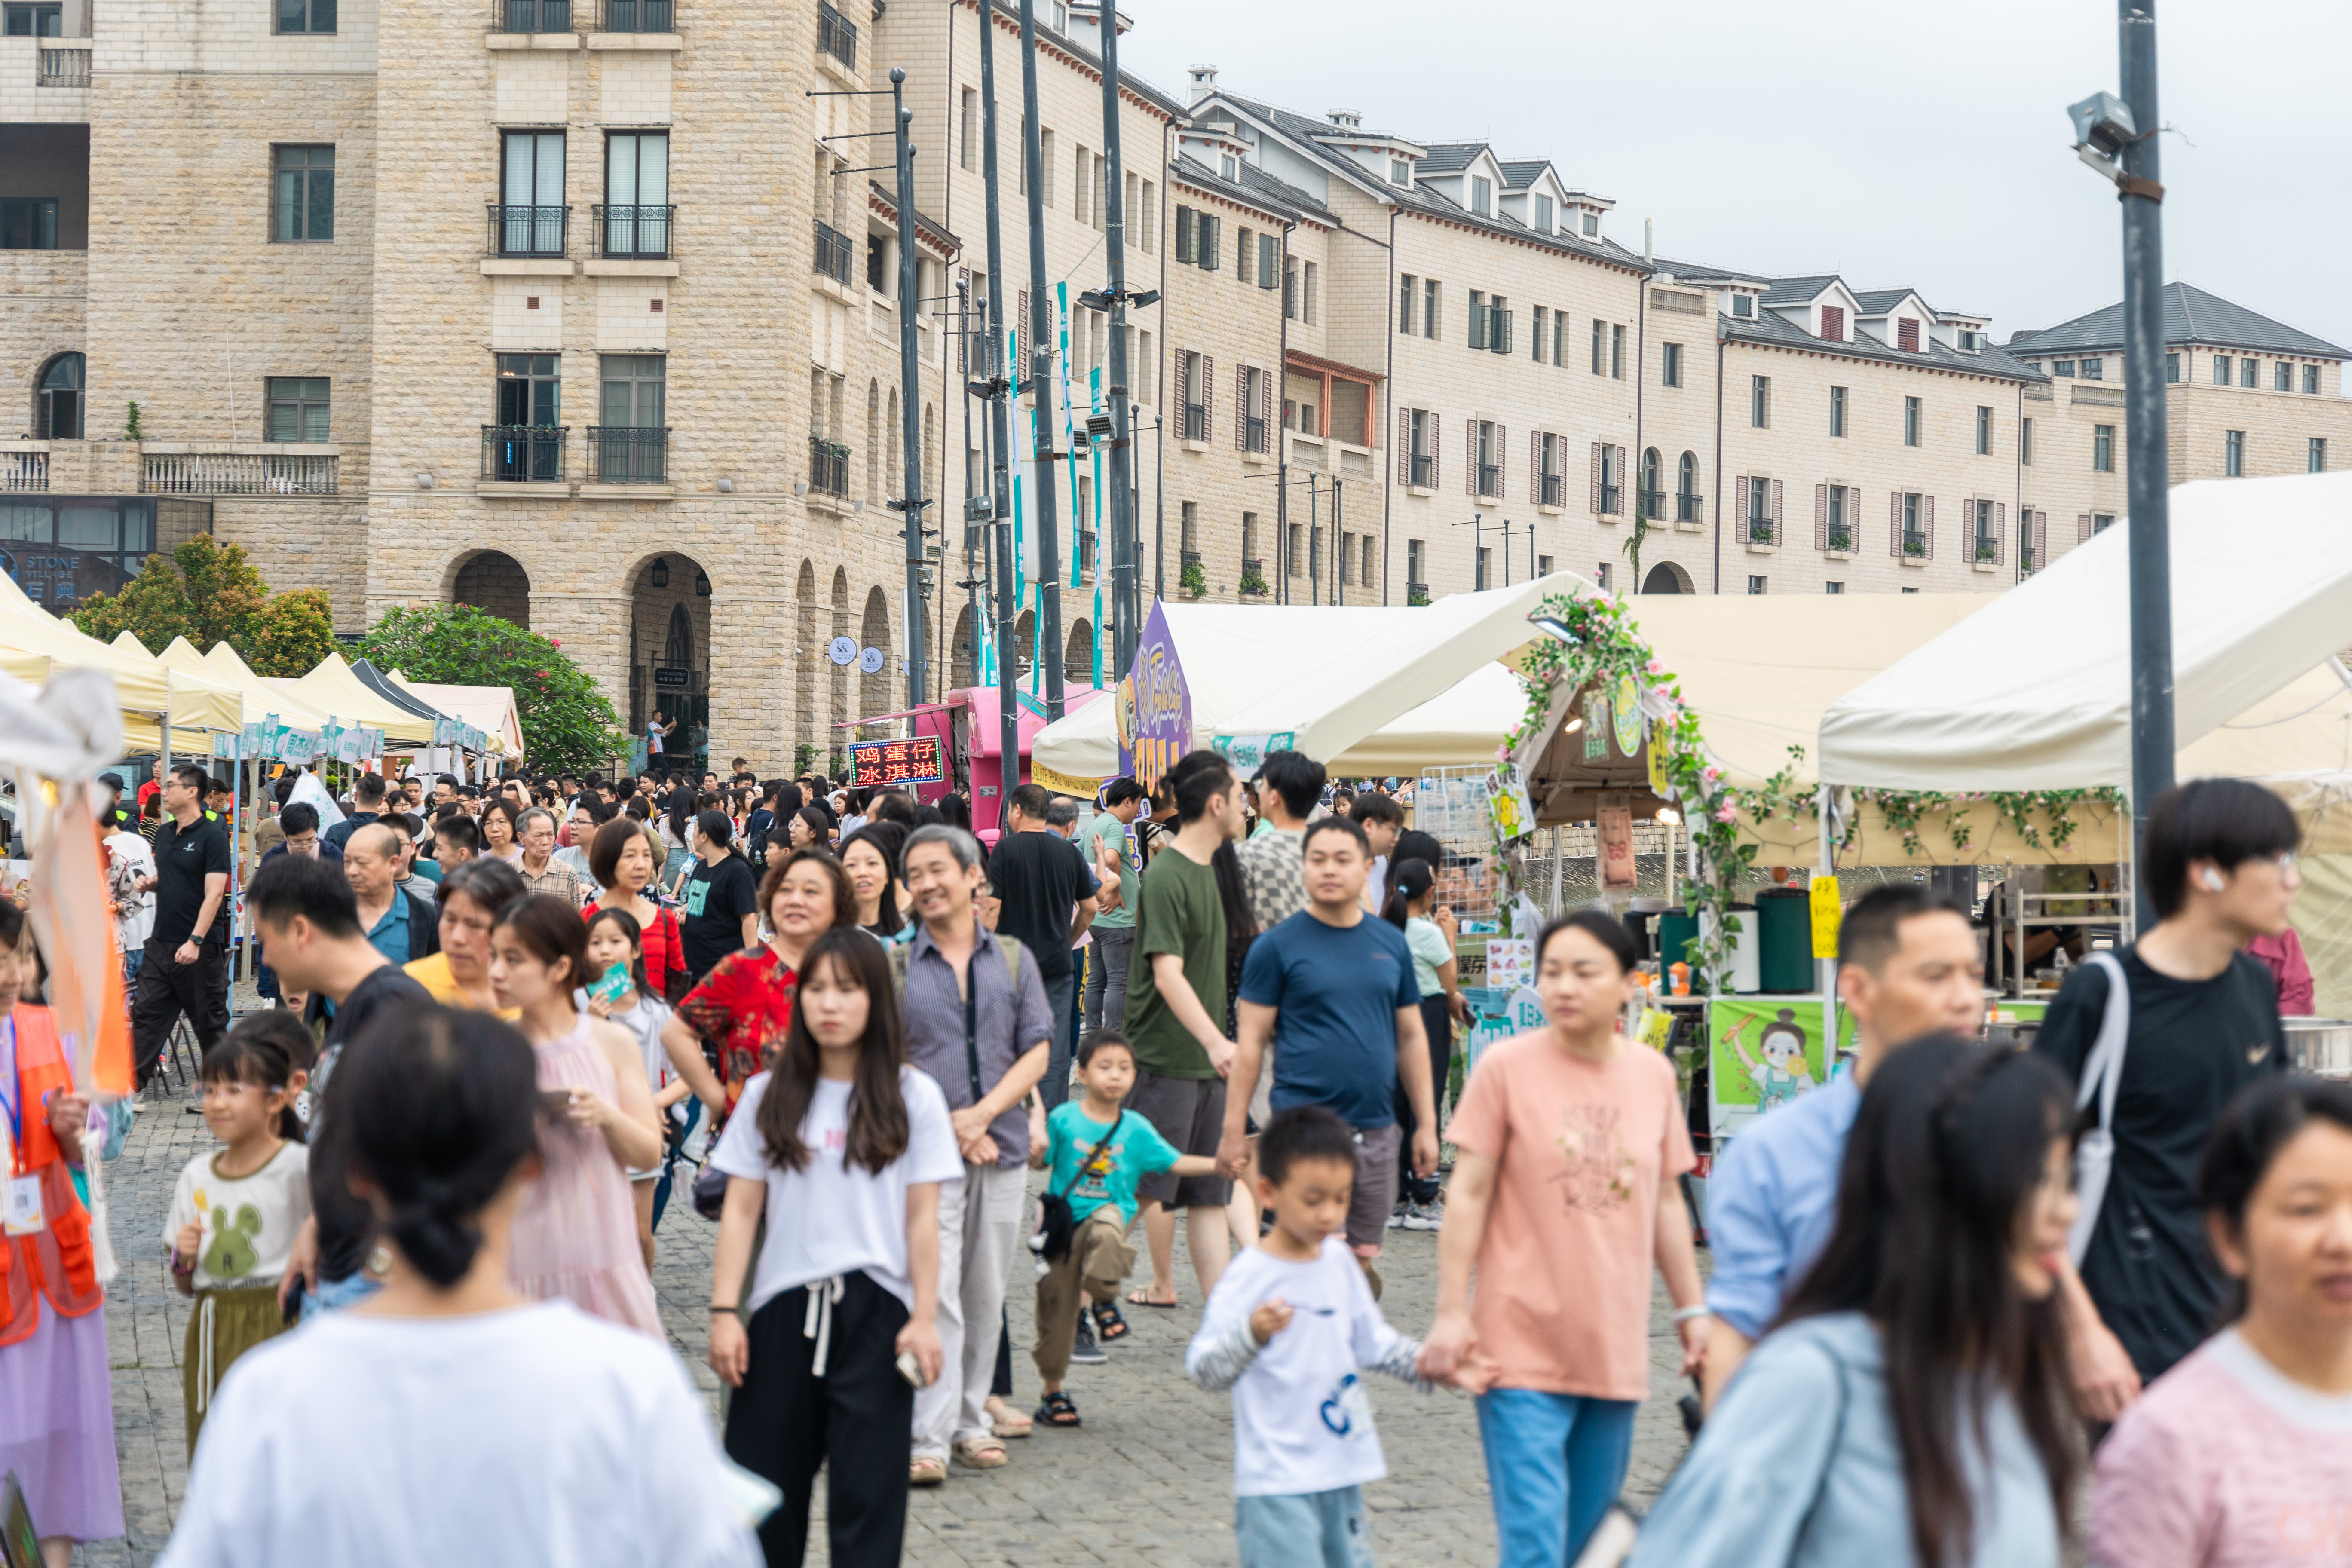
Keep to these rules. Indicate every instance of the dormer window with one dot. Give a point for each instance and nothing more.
(1229, 166)
(1482, 196)
(1971, 342)
(1834, 323)
(1743, 305)
(1591, 226)
(1906, 335)
(1399, 172)
(1543, 214)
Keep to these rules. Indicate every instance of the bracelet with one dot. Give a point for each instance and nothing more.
(717, 1310)
(1685, 1314)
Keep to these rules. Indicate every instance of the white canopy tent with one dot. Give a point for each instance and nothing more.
(2035, 692)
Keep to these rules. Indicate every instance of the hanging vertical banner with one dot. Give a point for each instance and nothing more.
(1066, 427)
(1154, 711)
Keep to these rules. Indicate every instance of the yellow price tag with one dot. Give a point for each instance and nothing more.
(1827, 912)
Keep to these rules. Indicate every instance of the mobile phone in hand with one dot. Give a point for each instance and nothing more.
(910, 1367)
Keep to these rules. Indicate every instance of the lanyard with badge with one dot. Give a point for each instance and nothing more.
(24, 1198)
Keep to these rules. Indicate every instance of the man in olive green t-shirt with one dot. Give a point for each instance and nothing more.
(1175, 1021)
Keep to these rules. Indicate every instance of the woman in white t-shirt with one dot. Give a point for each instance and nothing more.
(447, 1419)
(851, 1144)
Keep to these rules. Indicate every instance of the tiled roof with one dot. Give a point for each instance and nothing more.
(1445, 157)
(2190, 316)
(1799, 290)
(1127, 78)
(1518, 176)
(1878, 301)
(937, 232)
(1697, 270)
(1767, 328)
(1256, 179)
(1255, 188)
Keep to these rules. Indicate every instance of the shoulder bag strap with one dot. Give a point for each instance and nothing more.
(1829, 1459)
(1117, 1122)
(2102, 1074)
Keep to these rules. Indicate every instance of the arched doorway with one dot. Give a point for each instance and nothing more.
(494, 584)
(1078, 657)
(669, 660)
(874, 631)
(57, 400)
(1024, 645)
(1667, 577)
(963, 652)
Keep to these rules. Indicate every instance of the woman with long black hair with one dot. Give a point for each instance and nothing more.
(1429, 930)
(1913, 1405)
(852, 1144)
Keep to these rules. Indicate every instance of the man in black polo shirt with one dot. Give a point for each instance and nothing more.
(308, 919)
(186, 965)
(1045, 899)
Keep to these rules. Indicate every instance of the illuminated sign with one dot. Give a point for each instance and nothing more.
(874, 763)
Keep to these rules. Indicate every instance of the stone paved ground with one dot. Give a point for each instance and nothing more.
(1147, 1479)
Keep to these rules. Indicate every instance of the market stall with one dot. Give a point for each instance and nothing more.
(489, 710)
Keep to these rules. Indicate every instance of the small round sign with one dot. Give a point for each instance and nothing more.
(870, 661)
(842, 650)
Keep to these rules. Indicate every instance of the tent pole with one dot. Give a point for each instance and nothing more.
(1826, 967)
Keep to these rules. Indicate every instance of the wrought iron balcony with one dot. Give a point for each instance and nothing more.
(1550, 490)
(834, 255)
(633, 233)
(628, 454)
(1690, 509)
(530, 15)
(527, 231)
(828, 467)
(1838, 539)
(1423, 470)
(1611, 501)
(1253, 434)
(1196, 422)
(640, 16)
(1653, 504)
(1490, 480)
(836, 35)
(1761, 531)
(1254, 576)
(523, 454)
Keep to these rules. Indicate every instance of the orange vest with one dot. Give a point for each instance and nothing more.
(55, 1260)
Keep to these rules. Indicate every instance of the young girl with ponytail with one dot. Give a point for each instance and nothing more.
(448, 1418)
(236, 1210)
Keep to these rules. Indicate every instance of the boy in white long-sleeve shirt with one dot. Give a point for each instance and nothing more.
(1289, 1329)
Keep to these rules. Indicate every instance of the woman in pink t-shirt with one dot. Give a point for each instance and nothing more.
(2242, 1455)
(1568, 1144)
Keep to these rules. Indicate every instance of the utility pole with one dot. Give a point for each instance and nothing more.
(910, 414)
(1041, 377)
(1008, 609)
(1125, 620)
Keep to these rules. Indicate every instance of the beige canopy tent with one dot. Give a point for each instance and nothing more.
(490, 709)
(262, 697)
(333, 690)
(34, 644)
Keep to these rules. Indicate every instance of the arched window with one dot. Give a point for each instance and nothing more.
(1687, 490)
(57, 405)
(1651, 503)
(963, 658)
(677, 648)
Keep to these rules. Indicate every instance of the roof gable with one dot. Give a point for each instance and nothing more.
(2192, 315)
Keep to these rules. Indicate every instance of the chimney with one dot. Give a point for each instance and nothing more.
(1346, 119)
(1645, 242)
(1204, 81)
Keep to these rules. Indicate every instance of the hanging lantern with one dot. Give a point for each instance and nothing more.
(701, 584)
(661, 572)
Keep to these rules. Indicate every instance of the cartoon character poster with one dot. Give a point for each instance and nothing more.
(1764, 1053)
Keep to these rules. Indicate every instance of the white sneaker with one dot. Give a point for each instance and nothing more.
(1421, 1217)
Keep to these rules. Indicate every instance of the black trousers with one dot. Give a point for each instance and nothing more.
(166, 990)
(1438, 1025)
(856, 1420)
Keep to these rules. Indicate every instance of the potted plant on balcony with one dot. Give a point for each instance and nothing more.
(1195, 582)
(1760, 530)
(1416, 596)
(1840, 540)
(1987, 553)
(1915, 548)
(1252, 577)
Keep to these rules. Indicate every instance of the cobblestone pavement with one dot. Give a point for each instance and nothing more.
(1147, 1480)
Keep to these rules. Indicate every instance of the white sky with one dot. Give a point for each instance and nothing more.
(1894, 143)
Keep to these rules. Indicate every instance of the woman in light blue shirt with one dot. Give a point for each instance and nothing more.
(1913, 1405)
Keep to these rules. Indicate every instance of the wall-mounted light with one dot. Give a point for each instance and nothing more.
(661, 572)
(703, 585)
(425, 482)
(801, 488)
(727, 487)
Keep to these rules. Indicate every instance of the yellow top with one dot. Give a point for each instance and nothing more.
(433, 973)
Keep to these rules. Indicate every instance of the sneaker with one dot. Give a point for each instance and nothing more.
(1430, 1216)
(1084, 1352)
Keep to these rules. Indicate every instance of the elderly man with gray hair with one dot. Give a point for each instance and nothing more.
(542, 872)
(977, 1021)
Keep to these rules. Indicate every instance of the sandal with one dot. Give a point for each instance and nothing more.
(1003, 1421)
(927, 1470)
(1057, 1410)
(981, 1454)
(1143, 1298)
(1109, 1326)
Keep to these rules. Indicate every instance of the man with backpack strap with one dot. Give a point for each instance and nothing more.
(977, 1021)
(2200, 1022)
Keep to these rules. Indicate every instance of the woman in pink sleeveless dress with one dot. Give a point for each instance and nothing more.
(576, 1233)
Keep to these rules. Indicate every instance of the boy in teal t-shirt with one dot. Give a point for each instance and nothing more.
(1096, 1151)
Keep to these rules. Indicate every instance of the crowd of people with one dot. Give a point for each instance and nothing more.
(1948, 1289)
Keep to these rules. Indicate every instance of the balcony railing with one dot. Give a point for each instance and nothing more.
(1611, 501)
(1416, 594)
(24, 469)
(1252, 574)
(1550, 490)
(523, 454)
(1837, 539)
(1253, 434)
(633, 233)
(1690, 509)
(64, 67)
(640, 16)
(834, 257)
(1423, 468)
(527, 231)
(238, 474)
(1196, 422)
(836, 35)
(1490, 480)
(1653, 504)
(828, 467)
(1762, 530)
(628, 454)
(530, 15)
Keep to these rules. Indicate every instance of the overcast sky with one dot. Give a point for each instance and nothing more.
(1894, 143)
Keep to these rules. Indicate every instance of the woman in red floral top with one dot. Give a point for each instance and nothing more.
(745, 1002)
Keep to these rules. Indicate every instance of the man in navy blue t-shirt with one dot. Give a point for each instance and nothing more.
(1331, 990)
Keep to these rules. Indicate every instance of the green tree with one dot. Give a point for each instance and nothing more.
(210, 593)
(567, 723)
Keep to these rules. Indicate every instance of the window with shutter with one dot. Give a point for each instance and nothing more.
(1596, 479)
(1616, 496)
(1269, 261)
(1405, 446)
(1739, 501)
(1209, 225)
(1821, 517)
(1242, 401)
(1927, 523)
(2083, 529)
(1834, 323)
(1266, 408)
(1502, 461)
(1430, 423)
(1906, 335)
(1535, 466)
(2000, 532)
(1187, 235)
(1021, 337)
(1470, 459)
(1208, 396)
(1775, 511)
(1894, 525)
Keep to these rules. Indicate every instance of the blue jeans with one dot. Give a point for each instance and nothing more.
(333, 1295)
(1554, 1462)
(1305, 1529)
(1059, 994)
